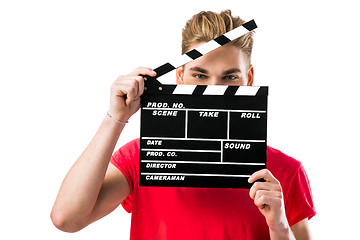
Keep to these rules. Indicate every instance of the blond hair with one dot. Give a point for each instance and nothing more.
(207, 25)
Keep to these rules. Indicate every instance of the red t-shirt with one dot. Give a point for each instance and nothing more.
(208, 213)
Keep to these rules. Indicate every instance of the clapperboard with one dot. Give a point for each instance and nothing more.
(201, 136)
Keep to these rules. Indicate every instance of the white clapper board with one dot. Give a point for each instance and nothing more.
(202, 136)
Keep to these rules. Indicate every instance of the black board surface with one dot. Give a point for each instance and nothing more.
(202, 136)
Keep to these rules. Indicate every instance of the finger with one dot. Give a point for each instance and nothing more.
(267, 201)
(125, 87)
(141, 86)
(127, 80)
(143, 71)
(263, 173)
(132, 92)
(272, 194)
(266, 186)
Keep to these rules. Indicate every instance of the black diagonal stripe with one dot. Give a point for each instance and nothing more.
(168, 89)
(231, 90)
(222, 40)
(263, 91)
(199, 90)
(163, 69)
(194, 54)
(250, 25)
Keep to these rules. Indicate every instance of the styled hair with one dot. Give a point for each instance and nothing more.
(207, 25)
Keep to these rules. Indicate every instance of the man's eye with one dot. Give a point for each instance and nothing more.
(230, 77)
(200, 76)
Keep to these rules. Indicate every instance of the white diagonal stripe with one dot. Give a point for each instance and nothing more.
(208, 47)
(181, 60)
(235, 33)
(215, 90)
(184, 89)
(247, 91)
(168, 78)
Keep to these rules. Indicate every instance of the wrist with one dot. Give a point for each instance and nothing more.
(116, 120)
(117, 117)
(282, 233)
(110, 123)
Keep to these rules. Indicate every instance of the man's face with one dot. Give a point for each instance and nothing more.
(226, 65)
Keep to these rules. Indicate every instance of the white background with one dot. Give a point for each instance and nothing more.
(59, 58)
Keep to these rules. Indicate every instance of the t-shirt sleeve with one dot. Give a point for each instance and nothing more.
(299, 204)
(126, 160)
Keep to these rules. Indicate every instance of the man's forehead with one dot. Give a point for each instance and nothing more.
(221, 61)
(224, 53)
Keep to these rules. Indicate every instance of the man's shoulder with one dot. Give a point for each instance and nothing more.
(281, 164)
(135, 143)
(128, 152)
(131, 146)
(276, 157)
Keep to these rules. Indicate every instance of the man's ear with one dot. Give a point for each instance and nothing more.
(250, 76)
(179, 75)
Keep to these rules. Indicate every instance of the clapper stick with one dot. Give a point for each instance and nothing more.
(163, 75)
(201, 136)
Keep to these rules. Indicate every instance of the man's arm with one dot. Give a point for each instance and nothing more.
(301, 230)
(88, 181)
(92, 188)
(268, 197)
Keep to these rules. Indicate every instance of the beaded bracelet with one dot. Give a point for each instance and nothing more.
(116, 119)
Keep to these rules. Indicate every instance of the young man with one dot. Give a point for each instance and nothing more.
(98, 182)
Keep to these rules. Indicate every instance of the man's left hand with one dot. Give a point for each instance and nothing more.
(268, 197)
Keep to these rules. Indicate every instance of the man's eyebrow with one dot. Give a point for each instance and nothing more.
(233, 70)
(199, 69)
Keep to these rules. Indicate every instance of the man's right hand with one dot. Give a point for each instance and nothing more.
(125, 93)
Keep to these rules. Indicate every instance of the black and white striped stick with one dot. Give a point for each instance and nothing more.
(164, 78)
(204, 49)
